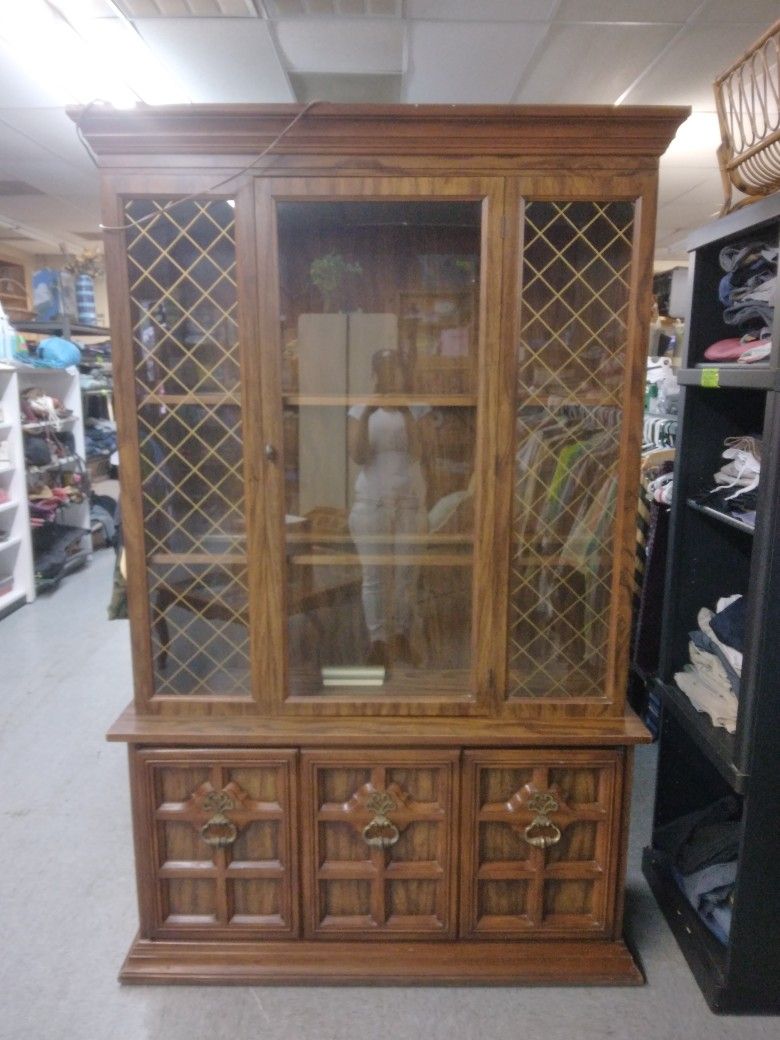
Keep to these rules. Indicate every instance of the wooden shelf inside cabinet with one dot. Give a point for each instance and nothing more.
(723, 518)
(172, 400)
(714, 741)
(730, 377)
(381, 400)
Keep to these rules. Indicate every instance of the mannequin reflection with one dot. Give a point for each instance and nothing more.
(386, 442)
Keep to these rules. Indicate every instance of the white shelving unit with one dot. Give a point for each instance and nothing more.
(64, 384)
(15, 536)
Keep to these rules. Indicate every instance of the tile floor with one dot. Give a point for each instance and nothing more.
(68, 904)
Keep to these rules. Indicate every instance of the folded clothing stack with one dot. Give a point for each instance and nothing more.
(711, 679)
(703, 847)
(747, 291)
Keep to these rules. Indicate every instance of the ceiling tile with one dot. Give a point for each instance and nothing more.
(186, 8)
(52, 128)
(341, 45)
(21, 82)
(468, 63)
(55, 178)
(685, 73)
(591, 64)
(14, 144)
(349, 89)
(485, 11)
(757, 12)
(626, 10)
(334, 8)
(233, 61)
(695, 143)
(17, 187)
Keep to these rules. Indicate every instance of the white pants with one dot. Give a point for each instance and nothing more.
(388, 589)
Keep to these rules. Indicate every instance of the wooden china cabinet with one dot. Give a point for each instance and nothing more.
(379, 391)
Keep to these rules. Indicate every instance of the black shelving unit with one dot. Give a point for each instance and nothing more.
(712, 555)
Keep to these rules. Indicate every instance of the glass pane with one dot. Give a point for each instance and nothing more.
(379, 306)
(182, 271)
(574, 315)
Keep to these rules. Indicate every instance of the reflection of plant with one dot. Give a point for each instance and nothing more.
(328, 273)
(89, 262)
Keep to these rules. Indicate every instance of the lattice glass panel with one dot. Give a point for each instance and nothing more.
(574, 316)
(182, 278)
(182, 274)
(200, 627)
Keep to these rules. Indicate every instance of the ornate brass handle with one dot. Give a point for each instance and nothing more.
(218, 831)
(541, 832)
(380, 832)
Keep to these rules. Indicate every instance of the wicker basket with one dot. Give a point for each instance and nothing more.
(747, 98)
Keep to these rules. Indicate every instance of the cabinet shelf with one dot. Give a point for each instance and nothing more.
(724, 518)
(179, 399)
(714, 741)
(6, 507)
(381, 400)
(9, 543)
(333, 559)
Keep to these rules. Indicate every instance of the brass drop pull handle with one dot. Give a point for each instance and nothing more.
(541, 832)
(380, 832)
(271, 453)
(218, 831)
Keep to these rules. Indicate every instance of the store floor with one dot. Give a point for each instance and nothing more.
(68, 896)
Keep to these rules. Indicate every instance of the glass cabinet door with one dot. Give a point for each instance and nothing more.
(571, 362)
(186, 377)
(378, 342)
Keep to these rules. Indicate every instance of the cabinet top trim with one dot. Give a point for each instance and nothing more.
(511, 130)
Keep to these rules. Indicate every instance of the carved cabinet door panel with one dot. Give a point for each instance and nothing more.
(214, 843)
(378, 838)
(540, 842)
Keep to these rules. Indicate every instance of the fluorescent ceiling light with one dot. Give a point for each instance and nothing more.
(127, 54)
(84, 58)
(61, 57)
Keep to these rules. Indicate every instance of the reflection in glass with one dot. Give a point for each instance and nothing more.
(571, 359)
(379, 312)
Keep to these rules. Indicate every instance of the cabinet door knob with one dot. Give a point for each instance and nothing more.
(271, 453)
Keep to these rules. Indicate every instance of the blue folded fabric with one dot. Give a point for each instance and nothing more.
(729, 624)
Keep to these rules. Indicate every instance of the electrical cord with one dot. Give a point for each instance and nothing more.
(155, 215)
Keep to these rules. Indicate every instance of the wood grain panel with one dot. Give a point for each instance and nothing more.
(404, 891)
(189, 888)
(511, 887)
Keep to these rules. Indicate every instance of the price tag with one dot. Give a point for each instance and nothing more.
(710, 377)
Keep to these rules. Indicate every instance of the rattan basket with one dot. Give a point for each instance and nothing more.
(747, 98)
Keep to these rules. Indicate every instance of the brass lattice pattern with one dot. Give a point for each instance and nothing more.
(570, 373)
(182, 275)
(192, 480)
(199, 619)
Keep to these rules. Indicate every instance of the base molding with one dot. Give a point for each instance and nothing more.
(597, 963)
